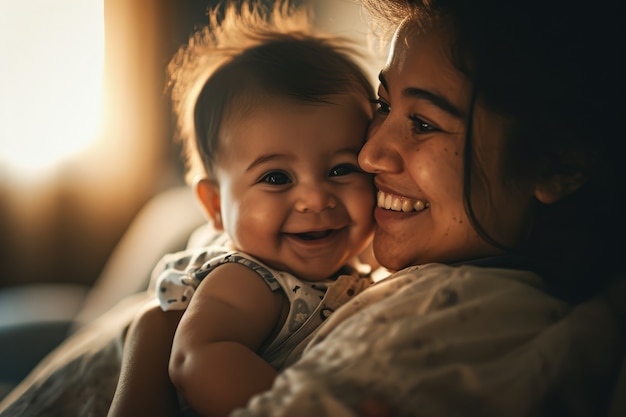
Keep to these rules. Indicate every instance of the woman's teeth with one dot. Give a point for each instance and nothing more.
(395, 203)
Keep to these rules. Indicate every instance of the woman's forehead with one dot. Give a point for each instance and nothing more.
(410, 35)
(401, 42)
(421, 60)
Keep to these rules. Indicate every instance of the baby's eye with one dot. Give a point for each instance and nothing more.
(383, 108)
(276, 178)
(343, 169)
(420, 126)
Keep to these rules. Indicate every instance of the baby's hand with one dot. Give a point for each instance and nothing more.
(175, 289)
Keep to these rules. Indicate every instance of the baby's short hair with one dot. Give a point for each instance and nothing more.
(250, 54)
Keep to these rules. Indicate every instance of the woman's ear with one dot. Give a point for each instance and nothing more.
(208, 193)
(558, 186)
(566, 172)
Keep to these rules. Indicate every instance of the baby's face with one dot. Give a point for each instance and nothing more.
(291, 190)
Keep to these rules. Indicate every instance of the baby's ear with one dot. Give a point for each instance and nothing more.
(208, 193)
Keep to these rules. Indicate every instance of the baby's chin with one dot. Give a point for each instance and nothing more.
(316, 275)
(312, 270)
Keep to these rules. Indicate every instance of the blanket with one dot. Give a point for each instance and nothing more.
(443, 341)
(431, 341)
(79, 377)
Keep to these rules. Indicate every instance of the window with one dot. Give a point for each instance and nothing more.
(52, 56)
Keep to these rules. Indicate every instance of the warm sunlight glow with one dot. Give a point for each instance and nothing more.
(51, 68)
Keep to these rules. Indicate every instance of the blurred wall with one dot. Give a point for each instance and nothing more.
(61, 225)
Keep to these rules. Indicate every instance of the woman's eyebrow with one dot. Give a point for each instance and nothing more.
(383, 80)
(419, 93)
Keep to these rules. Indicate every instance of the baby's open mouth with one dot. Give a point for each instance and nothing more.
(313, 235)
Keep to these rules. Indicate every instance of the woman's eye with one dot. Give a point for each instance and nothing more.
(343, 169)
(276, 178)
(382, 107)
(420, 126)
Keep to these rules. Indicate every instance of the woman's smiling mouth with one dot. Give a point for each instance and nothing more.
(397, 203)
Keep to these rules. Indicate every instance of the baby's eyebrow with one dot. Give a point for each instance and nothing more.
(265, 158)
(351, 151)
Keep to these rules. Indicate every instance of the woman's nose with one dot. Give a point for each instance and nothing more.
(314, 198)
(378, 153)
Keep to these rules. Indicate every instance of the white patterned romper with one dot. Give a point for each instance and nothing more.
(310, 302)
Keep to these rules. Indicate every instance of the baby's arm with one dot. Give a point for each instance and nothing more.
(213, 362)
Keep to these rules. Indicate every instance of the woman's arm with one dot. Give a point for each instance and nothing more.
(144, 387)
(214, 363)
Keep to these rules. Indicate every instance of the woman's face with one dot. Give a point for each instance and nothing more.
(415, 148)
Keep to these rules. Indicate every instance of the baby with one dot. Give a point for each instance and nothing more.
(273, 118)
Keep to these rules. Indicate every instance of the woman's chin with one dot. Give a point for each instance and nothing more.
(391, 254)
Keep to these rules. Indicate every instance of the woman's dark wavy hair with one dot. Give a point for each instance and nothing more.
(555, 69)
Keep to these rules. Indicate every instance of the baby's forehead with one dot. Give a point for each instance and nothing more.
(243, 107)
(287, 125)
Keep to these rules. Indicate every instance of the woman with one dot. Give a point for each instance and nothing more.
(496, 151)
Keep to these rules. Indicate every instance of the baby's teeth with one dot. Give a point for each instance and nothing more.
(419, 205)
(407, 206)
